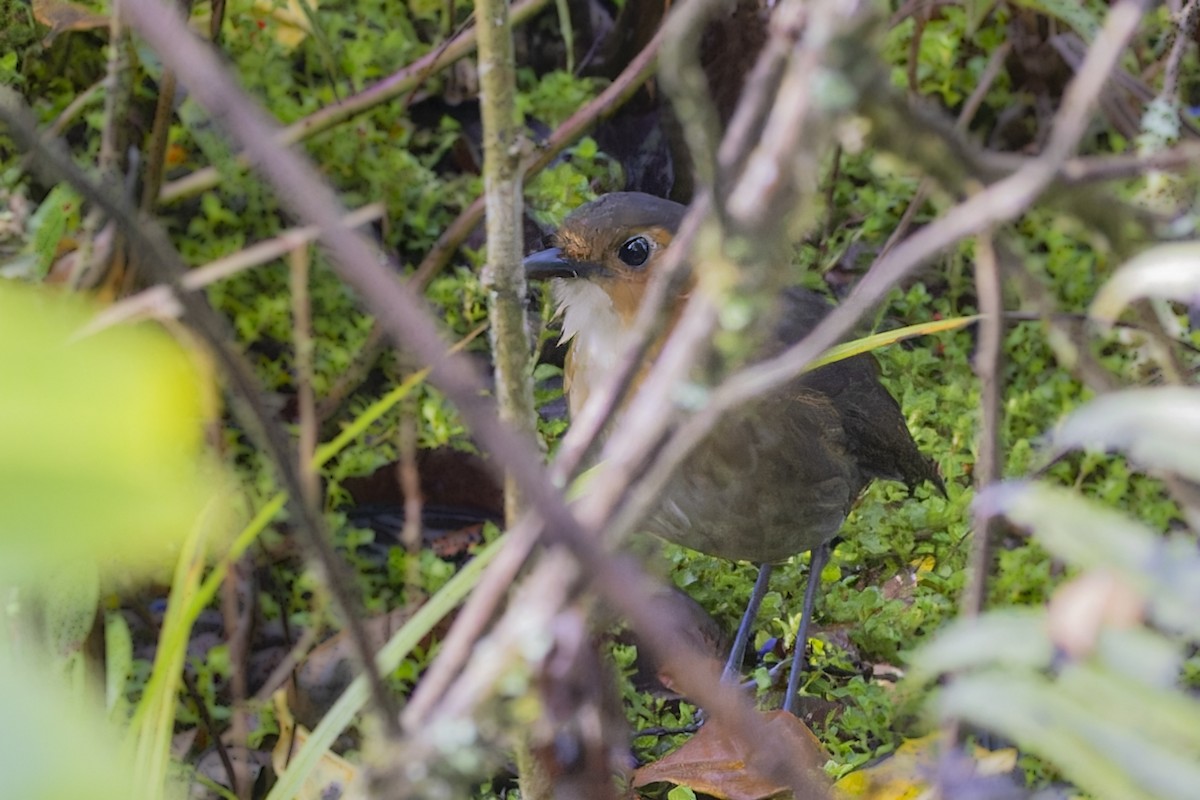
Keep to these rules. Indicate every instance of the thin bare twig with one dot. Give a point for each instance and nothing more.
(238, 611)
(95, 264)
(986, 79)
(1181, 33)
(989, 287)
(76, 107)
(156, 147)
(159, 301)
(409, 478)
(996, 204)
(503, 278)
(298, 185)
(405, 80)
(684, 79)
(1092, 169)
(299, 263)
(359, 263)
(350, 378)
(284, 669)
(503, 275)
(989, 355)
(210, 727)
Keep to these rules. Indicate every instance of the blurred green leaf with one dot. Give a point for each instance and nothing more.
(1167, 272)
(1141, 655)
(1158, 713)
(1105, 757)
(1157, 428)
(1014, 637)
(53, 747)
(1115, 722)
(70, 594)
(1166, 569)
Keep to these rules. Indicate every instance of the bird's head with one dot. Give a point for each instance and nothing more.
(601, 262)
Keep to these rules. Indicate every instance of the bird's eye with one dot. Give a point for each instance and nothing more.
(635, 251)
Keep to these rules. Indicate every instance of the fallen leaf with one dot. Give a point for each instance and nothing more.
(61, 16)
(715, 763)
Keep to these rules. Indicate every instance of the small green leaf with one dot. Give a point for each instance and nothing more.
(868, 343)
(57, 214)
(118, 664)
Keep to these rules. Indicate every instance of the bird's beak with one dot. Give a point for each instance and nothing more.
(552, 263)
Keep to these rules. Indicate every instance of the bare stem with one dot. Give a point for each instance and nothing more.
(503, 275)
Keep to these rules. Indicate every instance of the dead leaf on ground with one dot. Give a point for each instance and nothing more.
(715, 763)
(61, 16)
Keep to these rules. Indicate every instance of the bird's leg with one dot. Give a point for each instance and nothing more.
(743, 632)
(820, 556)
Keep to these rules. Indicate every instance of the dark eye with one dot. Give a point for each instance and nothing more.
(635, 251)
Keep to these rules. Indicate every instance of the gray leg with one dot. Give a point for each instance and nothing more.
(817, 563)
(743, 631)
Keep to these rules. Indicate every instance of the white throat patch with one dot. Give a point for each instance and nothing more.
(593, 325)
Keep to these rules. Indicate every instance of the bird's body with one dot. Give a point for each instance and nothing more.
(778, 476)
(774, 478)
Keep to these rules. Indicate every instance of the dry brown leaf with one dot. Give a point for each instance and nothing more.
(62, 16)
(717, 764)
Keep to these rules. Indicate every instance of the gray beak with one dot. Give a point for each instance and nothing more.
(552, 263)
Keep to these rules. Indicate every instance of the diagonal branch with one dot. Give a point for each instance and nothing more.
(359, 263)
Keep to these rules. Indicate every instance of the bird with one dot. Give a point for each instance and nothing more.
(773, 479)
